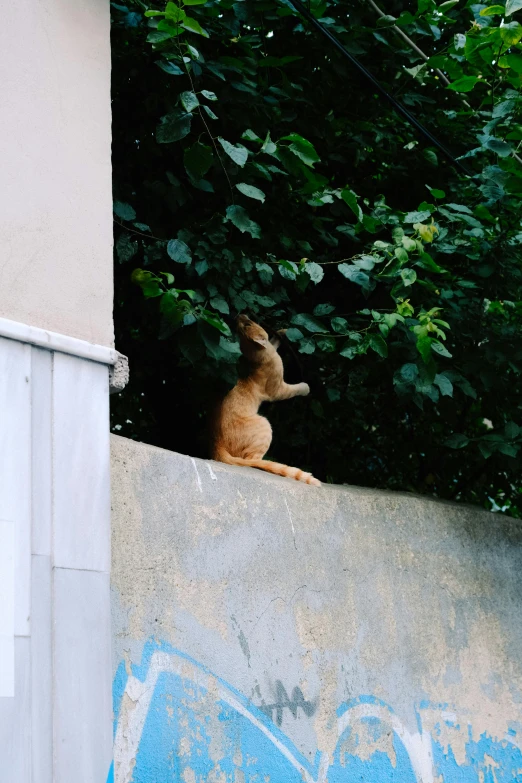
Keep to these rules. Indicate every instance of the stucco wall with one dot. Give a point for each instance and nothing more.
(55, 194)
(270, 632)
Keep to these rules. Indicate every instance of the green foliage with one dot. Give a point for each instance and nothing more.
(302, 199)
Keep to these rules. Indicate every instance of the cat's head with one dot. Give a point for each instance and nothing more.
(253, 339)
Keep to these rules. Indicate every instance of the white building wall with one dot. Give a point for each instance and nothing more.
(56, 338)
(54, 490)
(55, 168)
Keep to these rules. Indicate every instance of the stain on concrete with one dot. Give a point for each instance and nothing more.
(378, 635)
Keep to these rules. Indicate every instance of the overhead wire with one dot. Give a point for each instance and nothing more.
(399, 108)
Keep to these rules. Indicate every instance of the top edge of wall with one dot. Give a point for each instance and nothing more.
(120, 444)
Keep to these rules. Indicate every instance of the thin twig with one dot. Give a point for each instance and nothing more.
(410, 43)
(140, 233)
(202, 118)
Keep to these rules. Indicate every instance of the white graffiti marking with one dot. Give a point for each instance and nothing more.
(138, 695)
(418, 745)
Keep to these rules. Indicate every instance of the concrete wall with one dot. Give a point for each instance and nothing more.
(55, 146)
(270, 632)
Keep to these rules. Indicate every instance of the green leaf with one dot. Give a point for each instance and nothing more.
(439, 348)
(309, 323)
(239, 217)
(173, 126)
(251, 191)
(417, 217)
(194, 26)
(315, 271)
(386, 21)
(349, 350)
(179, 251)
(438, 194)
(485, 449)
(209, 111)
(174, 13)
(340, 325)
(327, 344)
(171, 28)
(378, 344)
(424, 348)
(216, 322)
(294, 334)
(218, 303)
(351, 199)
(459, 41)
(148, 283)
(408, 372)
(366, 262)
(168, 67)
(287, 269)
(502, 148)
(512, 6)
(444, 384)
(265, 272)
(249, 135)
(123, 211)
(158, 36)
(169, 277)
(511, 33)
(447, 5)
(493, 10)
(464, 84)
(197, 159)
(459, 208)
(512, 430)
(323, 309)
(210, 96)
(354, 274)
(307, 345)
(304, 150)
(189, 100)
(456, 441)
(431, 157)
(409, 276)
(126, 248)
(397, 235)
(508, 449)
(238, 153)
(514, 61)
(409, 244)
(402, 254)
(194, 2)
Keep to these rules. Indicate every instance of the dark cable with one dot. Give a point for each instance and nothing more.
(369, 77)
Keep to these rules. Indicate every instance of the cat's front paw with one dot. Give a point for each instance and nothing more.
(305, 390)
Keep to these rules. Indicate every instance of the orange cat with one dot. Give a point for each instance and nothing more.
(241, 436)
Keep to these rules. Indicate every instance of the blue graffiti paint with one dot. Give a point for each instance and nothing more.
(198, 726)
(347, 766)
(487, 760)
(118, 687)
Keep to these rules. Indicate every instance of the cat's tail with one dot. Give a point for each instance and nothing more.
(270, 467)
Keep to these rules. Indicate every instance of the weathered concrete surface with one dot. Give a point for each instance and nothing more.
(269, 631)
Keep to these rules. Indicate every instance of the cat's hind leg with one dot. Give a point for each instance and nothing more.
(256, 438)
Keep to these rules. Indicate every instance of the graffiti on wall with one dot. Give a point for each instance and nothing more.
(176, 721)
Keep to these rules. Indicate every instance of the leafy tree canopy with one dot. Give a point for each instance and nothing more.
(255, 171)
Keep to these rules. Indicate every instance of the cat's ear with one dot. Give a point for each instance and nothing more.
(258, 339)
